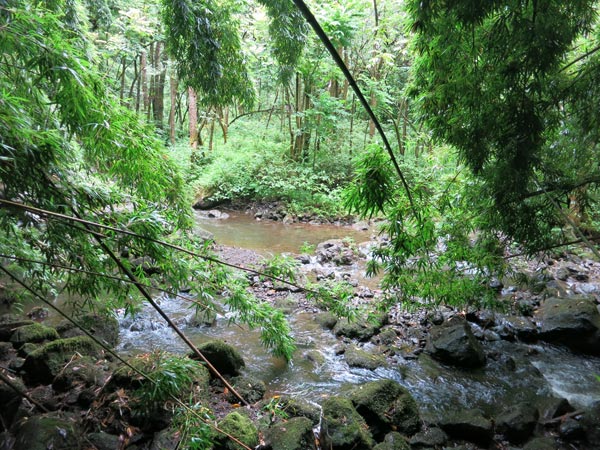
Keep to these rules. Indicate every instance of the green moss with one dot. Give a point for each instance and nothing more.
(43, 364)
(387, 406)
(343, 426)
(226, 359)
(239, 426)
(33, 333)
(46, 432)
(295, 434)
(393, 441)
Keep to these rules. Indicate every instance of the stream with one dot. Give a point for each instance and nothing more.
(515, 371)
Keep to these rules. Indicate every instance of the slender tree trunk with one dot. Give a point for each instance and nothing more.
(173, 109)
(158, 106)
(211, 136)
(144, 80)
(193, 112)
(134, 83)
(122, 89)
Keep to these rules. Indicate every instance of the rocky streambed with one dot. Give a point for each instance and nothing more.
(425, 380)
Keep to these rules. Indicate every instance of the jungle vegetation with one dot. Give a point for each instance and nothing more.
(115, 116)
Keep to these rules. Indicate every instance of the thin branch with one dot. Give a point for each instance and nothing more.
(579, 58)
(258, 111)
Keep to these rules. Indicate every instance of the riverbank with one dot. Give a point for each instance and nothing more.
(473, 379)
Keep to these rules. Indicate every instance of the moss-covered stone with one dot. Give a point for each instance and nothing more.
(355, 357)
(363, 330)
(105, 328)
(240, 427)
(393, 441)
(43, 364)
(295, 434)
(9, 323)
(82, 372)
(47, 432)
(343, 427)
(387, 406)
(251, 389)
(226, 359)
(34, 333)
(10, 401)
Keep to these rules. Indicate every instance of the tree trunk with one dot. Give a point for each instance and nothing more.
(193, 112)
(172, 110)
(144, 81)
(158, 100)
(122, 89)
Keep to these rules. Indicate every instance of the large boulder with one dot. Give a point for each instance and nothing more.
(226, 359)
(295, 434)
(34, 333)
(10, 401)
(468, 426)
(386, 406)
(518, 422)
(9, 323)
(342, 426)
(454, 343)
(363, 330)
(43, 364)
(240, 427)
(572, 321)
(47, 432)
(393, 441)
(355, 357)
(105, 328)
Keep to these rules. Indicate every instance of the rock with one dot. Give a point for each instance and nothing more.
(518, 422)
(38, 313)
(541, 443)
(552, 407)
(591, 419)
(337, 251)
(393, 441)
(103, 441)
(226, 359)
(82, 372)
(295, 434)
(355, 357)
(326, 319)
(342, 427)
(46, 362)
(572, 321)
(5, 349)
(431, 438)
(47, 432)
(10, 401)
(298, 407)
(386, 406)
(202, 318)
(105, 328)
(514, 327)
(240, 427)
(453, 343)
(468, 426)
(33, 333)
(363, 330)
(251, 389)
(205, 203)
(571, 430)
(165, 440)
(9, 323)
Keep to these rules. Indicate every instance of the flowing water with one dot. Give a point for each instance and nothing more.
(515, 372)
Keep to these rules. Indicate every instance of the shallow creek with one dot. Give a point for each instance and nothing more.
(515, 372)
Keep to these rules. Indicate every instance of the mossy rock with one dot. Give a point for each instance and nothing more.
(251, 389)
(393, 441)
(9, 323)
(202, 318)
(43, 364)
(327, 320)
(82, 372)
(47, 432)
(295, 434)
(225, 359)
(343, 427)
(240, 427)
(105, 328)
(363, 330)
(298, 407)
(386, 406)
(355, 357)
(34, 333)
(10, 401)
